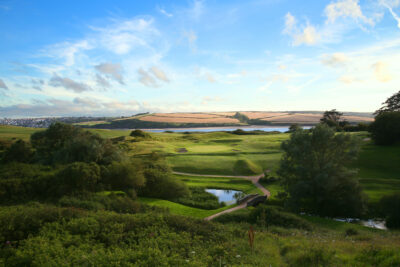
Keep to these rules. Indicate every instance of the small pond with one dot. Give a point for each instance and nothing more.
(227, 196)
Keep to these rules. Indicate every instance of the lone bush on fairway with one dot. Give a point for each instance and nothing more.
(314, 173)
(139, 133)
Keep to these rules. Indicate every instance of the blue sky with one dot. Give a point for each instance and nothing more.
(123, 57)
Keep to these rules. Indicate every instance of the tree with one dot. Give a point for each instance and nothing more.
(391, 104)
(385, 130)
(126, 176)
(314, 173)
(332, 118)
(294, 127)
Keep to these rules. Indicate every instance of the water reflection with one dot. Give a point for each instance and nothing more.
(227, 196)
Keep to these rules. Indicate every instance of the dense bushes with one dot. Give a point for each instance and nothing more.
(19, 151)
(64, 143)
(266, 216)
(385, 130)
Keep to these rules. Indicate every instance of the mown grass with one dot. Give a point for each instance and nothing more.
(179, 209)
(220, 183)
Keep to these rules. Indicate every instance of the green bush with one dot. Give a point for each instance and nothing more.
(139, 133)
(126, 175)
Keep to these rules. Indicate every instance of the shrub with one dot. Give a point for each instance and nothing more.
(268, 216)
(139, 133)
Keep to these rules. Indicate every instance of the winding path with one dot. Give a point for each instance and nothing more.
(253, 179)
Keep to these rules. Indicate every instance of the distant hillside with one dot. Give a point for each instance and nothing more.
(219, 119)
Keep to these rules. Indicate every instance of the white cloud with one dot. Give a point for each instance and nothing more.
(382, 72)
(122, 36)
(67, 51)
(197, 9)
(210, 78)
(3, 85)
(346, 9)
(308, 36)
(290, 23)
(300, 34)
(348, 79)
(208, 99)
(159, 74)
(112, 70)
(164, 12)
(334, 60)
(389, 5)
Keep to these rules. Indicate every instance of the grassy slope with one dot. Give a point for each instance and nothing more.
(218, 152)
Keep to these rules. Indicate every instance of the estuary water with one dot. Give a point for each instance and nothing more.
(281, 129)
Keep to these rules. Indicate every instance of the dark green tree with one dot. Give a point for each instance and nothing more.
(390, 206)
(385, 130)
(391, 104)
(333, 118)
(314, 173)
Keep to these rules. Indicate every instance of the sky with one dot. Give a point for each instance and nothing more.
(119, 58)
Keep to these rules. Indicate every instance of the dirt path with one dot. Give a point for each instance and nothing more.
(253, 179)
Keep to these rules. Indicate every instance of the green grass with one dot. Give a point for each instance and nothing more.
(379, 170)
(220, 183)
(180, 209)
(15, 132)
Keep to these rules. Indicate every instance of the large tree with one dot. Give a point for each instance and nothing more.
(391, 104)
(333, 118)
(314, 173)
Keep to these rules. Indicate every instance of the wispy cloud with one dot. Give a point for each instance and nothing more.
(112, 70)
(159, 74)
